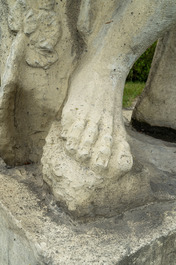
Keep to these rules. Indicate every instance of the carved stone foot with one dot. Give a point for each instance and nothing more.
(84, 165)
(88, 121)
(85, 156)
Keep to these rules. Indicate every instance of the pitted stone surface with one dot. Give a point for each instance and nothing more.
(72, 57)
(87, 159)
(39, 51)
(35, 230)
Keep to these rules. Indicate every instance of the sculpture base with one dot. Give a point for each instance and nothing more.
(35, 231)
(85, 193)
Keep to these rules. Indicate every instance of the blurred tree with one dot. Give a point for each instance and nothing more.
(141, 68)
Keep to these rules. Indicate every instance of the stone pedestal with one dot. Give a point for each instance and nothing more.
(35, 230)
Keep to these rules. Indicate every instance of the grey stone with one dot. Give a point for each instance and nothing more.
(37, 44)
(35, 230)
(87, 158)
(63, 69)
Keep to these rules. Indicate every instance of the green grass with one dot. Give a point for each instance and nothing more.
(131, 91)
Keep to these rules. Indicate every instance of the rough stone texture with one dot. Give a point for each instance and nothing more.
(93, 113)
(34, 230)
(82, 190)
(86, 167)
(38, 43)
(83, 196)
(157, 103)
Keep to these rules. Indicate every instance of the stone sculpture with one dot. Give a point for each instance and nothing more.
(86, 173)
(63, 66)
(35, 54)
(86, 157)
(41, 28)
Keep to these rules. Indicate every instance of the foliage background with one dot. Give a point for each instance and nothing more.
(141, 68)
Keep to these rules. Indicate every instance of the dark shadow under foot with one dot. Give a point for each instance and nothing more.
(163, 133)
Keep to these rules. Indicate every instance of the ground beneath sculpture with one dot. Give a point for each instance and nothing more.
(36, 231)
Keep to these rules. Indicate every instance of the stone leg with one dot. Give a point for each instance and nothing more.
(156, 106)
(88, 117)
(96, 90)
(37, 58)
(9, 87)
(95, 153)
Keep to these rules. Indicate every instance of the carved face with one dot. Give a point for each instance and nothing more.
(47, 4)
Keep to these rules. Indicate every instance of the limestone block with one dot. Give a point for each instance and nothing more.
(156, 106)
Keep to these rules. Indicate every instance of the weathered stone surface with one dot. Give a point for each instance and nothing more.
(34, 230)
(87, 156)
(90, 194)
(87, 161)
(74, 184)
(73, 57)
(93, 111)
(38, 43)
(157, 103)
